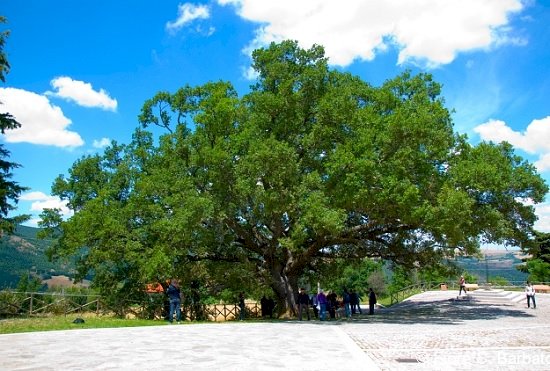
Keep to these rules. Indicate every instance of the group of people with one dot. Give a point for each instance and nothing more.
(323, 304)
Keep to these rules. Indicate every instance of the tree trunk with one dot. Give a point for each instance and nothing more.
(285, 288)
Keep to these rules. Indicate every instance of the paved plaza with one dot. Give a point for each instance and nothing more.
(430, 331)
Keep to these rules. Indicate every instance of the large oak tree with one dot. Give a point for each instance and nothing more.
(311, 165)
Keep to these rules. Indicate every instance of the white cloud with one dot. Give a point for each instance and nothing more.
(428, 31)
(250, 73)
(82, 93)
(543, 163)
(41, 201)
(33, 196)
(101, 143)
(534, 140)
(543, 213)
(41, 122)
(187, 13)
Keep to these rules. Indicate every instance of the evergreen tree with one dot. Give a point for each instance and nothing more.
(9, 189)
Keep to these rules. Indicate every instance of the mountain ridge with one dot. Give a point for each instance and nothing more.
(23, 253)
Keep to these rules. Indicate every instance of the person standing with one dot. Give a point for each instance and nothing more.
(346, 299)
(303, 304)
(372, 300)
(242, 307)
(322, 300)
(314, 305)
(530, 293)
(174, 296)
(332, 304)
(462, 284)
(264, 306)
(355, 302)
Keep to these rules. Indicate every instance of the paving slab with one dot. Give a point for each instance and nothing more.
(223, 346)
(430, 331)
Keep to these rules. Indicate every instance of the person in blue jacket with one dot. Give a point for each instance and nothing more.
(174, 295)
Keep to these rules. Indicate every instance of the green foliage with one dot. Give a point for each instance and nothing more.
(310, 168)
(401, 278)
(4, 64)
(470, 278)
(539, 270)
(538, 265)
(354, 275)
(499, 281)
(440, 273)
(29, 284)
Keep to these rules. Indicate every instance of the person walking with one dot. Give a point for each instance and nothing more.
(530, 293)
(303, 303)
(174, 296)
(462, 285)
(372, 300)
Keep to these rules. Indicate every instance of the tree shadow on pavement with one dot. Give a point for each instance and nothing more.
(449, 311)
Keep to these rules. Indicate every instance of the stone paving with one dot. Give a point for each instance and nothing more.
(431, 331)
(435, 331)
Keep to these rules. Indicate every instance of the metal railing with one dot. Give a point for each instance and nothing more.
(398, 296)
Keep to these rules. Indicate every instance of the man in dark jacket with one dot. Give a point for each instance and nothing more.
(355, 302)
(174, 295)
(372, 301)
(303, 304)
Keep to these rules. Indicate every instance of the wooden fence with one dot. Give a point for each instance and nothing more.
(24, 304)
(13, 303)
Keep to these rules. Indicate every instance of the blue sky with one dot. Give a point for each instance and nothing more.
(80, 71)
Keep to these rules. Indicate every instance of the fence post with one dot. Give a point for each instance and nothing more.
(30, 304)
(64, 298)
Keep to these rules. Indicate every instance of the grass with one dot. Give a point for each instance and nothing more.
(61, 322)
(52, 323)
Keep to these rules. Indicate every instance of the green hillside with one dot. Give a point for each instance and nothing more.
(23, 253)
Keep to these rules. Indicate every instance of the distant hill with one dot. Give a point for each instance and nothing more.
(23, 253)
(495, 263)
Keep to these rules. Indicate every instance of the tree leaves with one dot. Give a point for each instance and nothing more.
(310, 166)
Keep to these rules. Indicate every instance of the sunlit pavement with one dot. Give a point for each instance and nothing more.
(431, 331)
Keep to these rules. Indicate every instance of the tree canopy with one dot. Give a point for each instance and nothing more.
(311, 165)
(538, 262)
(9, 189)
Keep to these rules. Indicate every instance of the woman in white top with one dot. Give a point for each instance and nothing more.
(530, 293)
